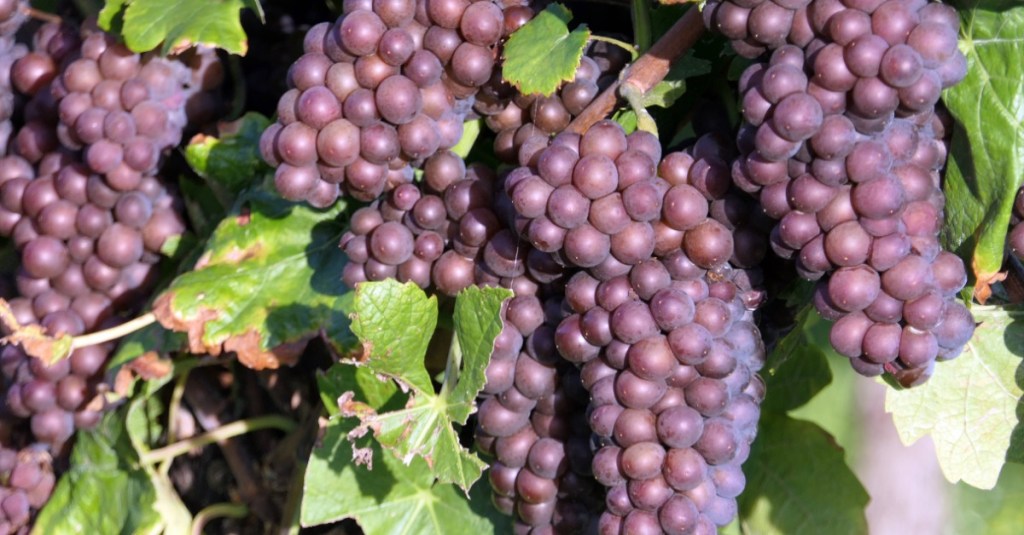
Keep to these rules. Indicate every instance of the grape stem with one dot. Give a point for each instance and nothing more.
(224, 432)
(291, 513)
(617, 42)
(206, 403)
(647, 70)
(37, 343)
(40, 15)
(173, 409)
(113, 333)
(217, 510)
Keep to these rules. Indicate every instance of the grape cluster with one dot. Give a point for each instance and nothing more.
(86, 252)
(124, 110)
(656, 317)
(83, 204)
(28, 480)
(842, 145)
(430, 236)
(605, 201)
(655, 237)
(542, 468)
(674, 399)
(387, 85)
(447, 236)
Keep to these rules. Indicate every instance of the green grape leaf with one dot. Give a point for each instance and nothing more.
(381, 394)
(204, 211)
(179, 24)
(626, 118)
(971, 406)
(267, 282)
(228, 163)
(392, 498)
(986, 164)
(477, 321)
(393, 322)
(544, 53)
(798, 482)
(798, 369)
(104, 463)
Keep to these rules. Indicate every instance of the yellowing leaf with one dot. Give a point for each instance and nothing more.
(970, 406)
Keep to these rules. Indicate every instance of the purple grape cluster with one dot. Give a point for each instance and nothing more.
(463, 226)
(606, 201)
(655, 315)
(386, 86)
(444, 235)
(542, 468)
(843, 146)
(433, 233)
(87, 212)
(86, 252)
(125, 110)
(28, 480)
(674, 395)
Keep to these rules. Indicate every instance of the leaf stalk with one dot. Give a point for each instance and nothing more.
(647, 70)
(225, 432)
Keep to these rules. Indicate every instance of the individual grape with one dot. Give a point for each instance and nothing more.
(901, 66)
(398, 99)
(585, 246)
(595, 176)
(854, 288)
(567, 207)
(482, 23)
(391, 243)
(472, 64)
(45, 257)
(419, 137)
(379, 143)
(295, 183)
(908, 279)
(797, 117)
(709, 244)
(359, 32)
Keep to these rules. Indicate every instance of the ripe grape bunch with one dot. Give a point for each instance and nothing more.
(843, 145)
(657, 319)
(386, 86)
(83, 202)
(622, 393)
(453, 219)
(635, 273)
